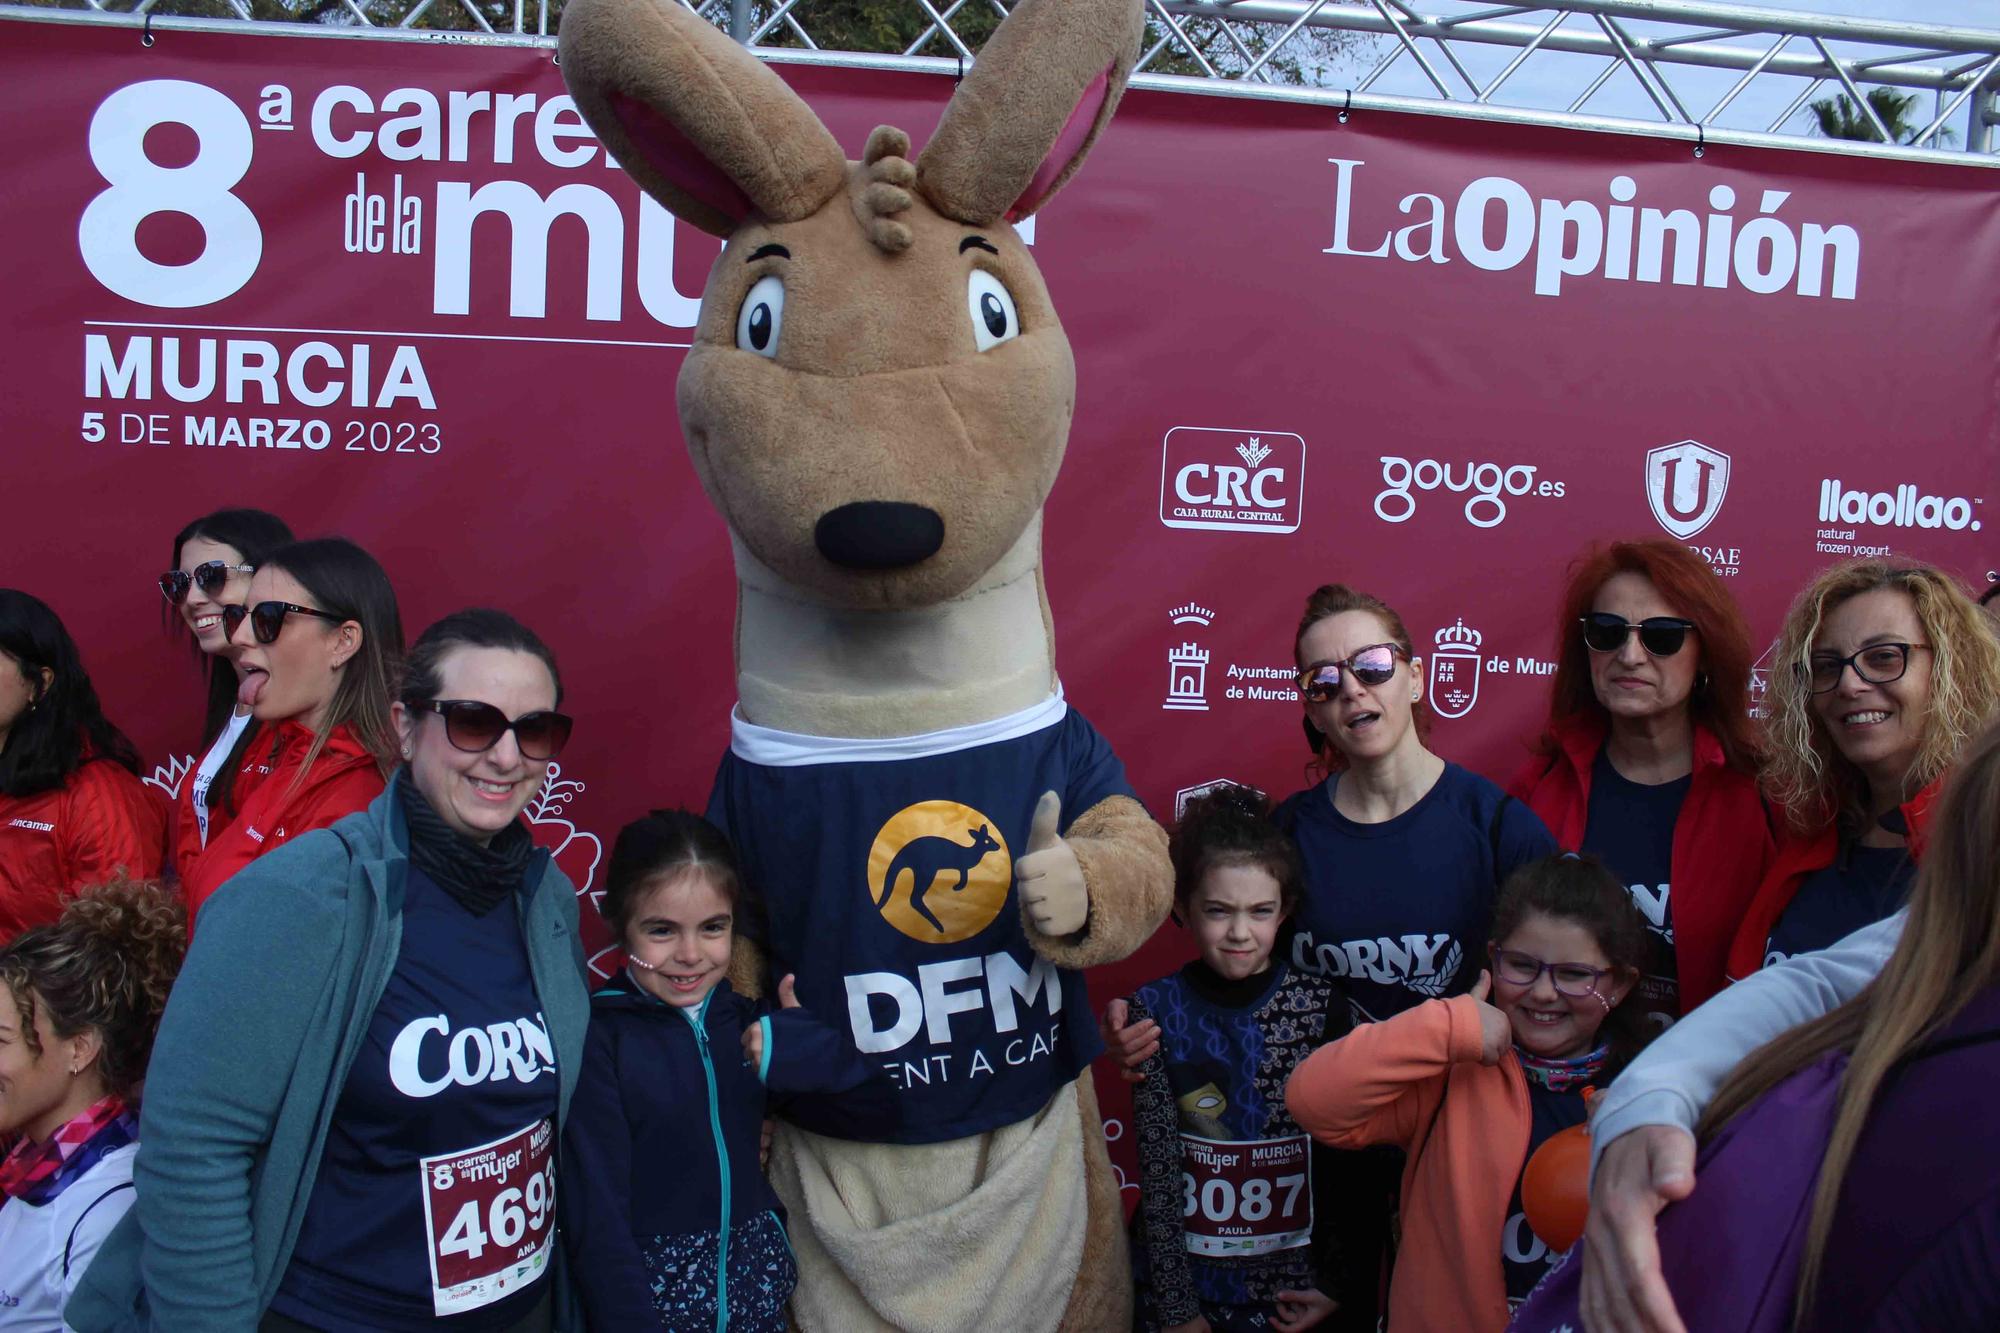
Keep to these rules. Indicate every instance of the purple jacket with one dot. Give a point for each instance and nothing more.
(1916, 1243)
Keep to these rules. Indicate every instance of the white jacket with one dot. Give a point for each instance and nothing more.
(43, 1251)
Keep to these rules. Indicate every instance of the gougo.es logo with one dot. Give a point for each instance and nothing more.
(1486, 487)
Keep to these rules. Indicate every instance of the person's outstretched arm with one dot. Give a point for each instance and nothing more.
(1642, 1146)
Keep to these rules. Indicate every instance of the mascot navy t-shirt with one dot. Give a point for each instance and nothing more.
(886, 870)
(1398, 912)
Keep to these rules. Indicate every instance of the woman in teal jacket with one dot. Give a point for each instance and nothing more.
(340, 1133)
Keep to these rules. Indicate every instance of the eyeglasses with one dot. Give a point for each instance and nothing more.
(211, 576)
(1662, 636)
(267, 618)
(1524, 969)
(1371, 666)
(1877, 664)
(476, 727)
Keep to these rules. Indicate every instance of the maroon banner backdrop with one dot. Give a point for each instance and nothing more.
(395, 291)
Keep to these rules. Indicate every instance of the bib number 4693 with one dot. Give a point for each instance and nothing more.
(510, 1215)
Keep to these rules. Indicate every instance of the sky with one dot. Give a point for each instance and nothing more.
(1551, 80)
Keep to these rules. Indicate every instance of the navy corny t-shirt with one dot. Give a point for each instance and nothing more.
(887, 870)
(1630, 827)
(1399, 912)
(1861, 887)
(435, 1199)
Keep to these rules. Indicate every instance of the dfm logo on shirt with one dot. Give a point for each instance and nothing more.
(939, 871)
(519, 1050)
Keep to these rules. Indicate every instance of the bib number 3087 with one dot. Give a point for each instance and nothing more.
(490, 1211)
(1245, 1197)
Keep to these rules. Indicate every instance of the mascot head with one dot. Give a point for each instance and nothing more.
(879, 392)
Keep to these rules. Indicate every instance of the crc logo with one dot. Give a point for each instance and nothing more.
(939, 871)
(1454, 685)
(1232, 479)
(1685, 484)
(1488, 484)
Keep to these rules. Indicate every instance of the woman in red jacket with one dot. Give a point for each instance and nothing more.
(213, 559)
(317, 645)
(1649, 759)
(1882, 672)
(72, 809)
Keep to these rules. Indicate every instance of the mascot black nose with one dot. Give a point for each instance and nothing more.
(879, 534)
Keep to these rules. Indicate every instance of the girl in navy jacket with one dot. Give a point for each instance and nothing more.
(667, 1217)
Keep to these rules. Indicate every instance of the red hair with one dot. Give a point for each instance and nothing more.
(1721, 698)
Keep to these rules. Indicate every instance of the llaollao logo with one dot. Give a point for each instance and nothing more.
(939, 871)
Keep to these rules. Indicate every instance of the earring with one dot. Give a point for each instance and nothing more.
(406, 752)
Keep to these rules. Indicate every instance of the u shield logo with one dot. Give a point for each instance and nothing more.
(939, 871)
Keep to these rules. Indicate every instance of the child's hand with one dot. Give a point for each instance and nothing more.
(1198, 1324)
(1302, 1309)
(1129, 1044)
(753, 1036)
(1496, 1034)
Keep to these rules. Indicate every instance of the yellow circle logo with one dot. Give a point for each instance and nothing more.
(939, 871)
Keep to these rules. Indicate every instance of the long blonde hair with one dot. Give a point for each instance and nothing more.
(1803, 770)
(1949, 953)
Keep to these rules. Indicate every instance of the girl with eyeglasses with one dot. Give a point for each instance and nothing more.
(213, 559)
(1649, 757)
(1882, 672)
(316, 640)
(72, 809)
(1404, 852)
(1472, 1086)
(375, 1144)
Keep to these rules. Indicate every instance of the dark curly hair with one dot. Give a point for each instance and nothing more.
(106, 964)
(1231, 826)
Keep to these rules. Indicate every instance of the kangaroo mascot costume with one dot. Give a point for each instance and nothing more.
(877, 400)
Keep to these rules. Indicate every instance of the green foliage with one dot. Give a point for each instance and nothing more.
(1841, 117)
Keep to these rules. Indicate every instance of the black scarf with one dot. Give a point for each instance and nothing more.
(479, 877)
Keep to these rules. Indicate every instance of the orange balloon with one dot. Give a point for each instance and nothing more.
(1555, 1189)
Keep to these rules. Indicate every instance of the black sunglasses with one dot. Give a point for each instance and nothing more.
(211, 576)
(476, 727)
(1662, 636)
(1878, 664)
(267, 618)
(1371, 666)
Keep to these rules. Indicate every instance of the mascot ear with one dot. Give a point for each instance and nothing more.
(1030, 108)
(693, 117)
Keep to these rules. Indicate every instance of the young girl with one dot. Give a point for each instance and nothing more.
(1471, 1086)
(1225, 1224)
(79, 1001)
(667, 1217)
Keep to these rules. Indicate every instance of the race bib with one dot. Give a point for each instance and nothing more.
(1246, 1197)
(490, 1212)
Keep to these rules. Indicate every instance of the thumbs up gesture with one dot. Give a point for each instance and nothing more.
(753, 1036)
(1049, 875)
(1496, 1033)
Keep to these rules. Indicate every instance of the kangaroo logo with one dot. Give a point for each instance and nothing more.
(1685, 484)
(939, 871)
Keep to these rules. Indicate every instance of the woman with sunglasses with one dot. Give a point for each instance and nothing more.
(316, 643)
(214, 557)
(72, 809)
(1649, 759)
(1404, 853)
(374, 1146)
(1883, 671)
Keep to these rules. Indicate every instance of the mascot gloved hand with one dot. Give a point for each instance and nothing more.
(877, 400)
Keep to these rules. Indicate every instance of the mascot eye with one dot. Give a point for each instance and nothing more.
(993, 318)
(763, 313)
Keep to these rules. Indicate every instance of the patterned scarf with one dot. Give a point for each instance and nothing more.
(35, 1173)
(1564, 1075)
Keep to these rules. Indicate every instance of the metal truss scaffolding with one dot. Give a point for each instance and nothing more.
(1700, 71)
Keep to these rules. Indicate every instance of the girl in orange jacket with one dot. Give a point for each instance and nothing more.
(1471, 1086)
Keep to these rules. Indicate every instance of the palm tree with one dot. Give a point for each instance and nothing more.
(1842, 118)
